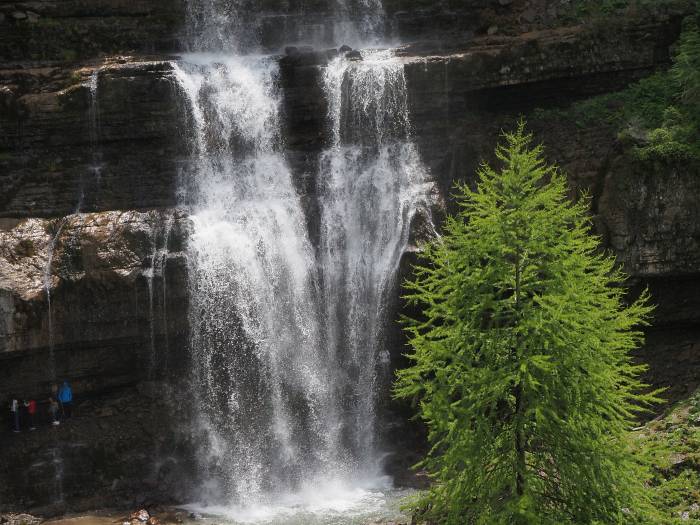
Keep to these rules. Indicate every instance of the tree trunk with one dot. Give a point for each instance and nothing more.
(519, 401)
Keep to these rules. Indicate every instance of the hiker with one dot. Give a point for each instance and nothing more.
(53, 410)
(24, 413)
(65, 397)
(31, 413)
(14, 410)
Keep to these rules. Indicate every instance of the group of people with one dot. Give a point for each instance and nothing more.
(60, 407)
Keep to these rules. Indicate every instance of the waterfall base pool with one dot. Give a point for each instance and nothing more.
(331, 504)
(328, 504)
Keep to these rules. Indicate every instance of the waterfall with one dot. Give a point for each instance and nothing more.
(371, 183)
(58, 468)
(261, 380)
(287, 341)
(359, 22)
(221, 25)
(232, 26)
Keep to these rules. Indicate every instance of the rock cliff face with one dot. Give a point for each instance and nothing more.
(93, 150)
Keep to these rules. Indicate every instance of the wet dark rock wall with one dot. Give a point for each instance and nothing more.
(118, 274)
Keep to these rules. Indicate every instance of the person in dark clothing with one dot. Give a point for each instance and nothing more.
(65, 398)
(14, 411)
(24, 413)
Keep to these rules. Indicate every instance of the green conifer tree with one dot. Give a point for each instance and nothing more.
(521, 362)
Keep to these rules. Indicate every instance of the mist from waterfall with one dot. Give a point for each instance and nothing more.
(359, 23)
(287, 337)
(233, 26)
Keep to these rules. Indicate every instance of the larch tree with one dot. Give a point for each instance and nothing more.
(521, 363)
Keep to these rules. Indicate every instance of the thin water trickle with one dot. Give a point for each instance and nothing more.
(95, 167)
(149, 274)
(163, 255)
(56, 455)
(48, 283)
(156, 269)
(58, 467)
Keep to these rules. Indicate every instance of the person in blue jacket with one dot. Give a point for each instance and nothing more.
(65, 397)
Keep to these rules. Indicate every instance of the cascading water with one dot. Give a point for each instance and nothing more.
(221, 25)
(286, 337)
(359, 22)
(261, 382)
(232, 25)
(371, 183)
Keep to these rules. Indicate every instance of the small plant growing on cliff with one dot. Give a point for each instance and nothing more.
(521, 361)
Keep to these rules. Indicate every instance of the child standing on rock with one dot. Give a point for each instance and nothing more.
(53, 410)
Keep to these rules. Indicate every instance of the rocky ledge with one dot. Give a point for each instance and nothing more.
(98, 299)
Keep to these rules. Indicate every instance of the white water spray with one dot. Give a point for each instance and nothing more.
(287, 339)
(255, 339)
(359, 22)
(371, 183)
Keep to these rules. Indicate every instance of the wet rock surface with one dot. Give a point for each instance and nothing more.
(114, 333)
(65, 146)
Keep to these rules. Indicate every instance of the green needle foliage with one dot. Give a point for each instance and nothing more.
(521, 362)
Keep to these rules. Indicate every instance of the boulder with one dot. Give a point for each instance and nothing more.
(19, 519)
(141, 515)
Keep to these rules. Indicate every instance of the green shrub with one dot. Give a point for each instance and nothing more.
(659, 116)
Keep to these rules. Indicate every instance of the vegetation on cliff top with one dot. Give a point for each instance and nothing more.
(658, 117)
(521, 360)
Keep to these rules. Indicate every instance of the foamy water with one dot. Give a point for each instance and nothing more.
(329, 503)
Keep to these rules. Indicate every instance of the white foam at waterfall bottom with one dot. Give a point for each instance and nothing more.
(329, 503)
